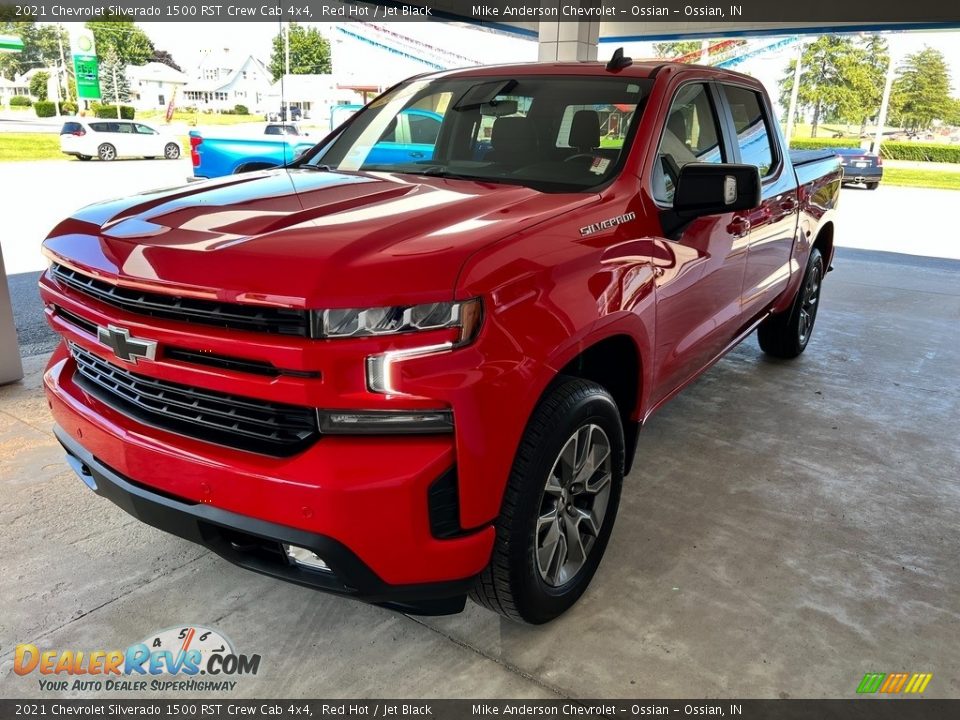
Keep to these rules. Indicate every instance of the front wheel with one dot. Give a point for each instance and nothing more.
(559, 506)
(786, 334)
(171, 151)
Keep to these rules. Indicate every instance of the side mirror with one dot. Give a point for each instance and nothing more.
(712, 189)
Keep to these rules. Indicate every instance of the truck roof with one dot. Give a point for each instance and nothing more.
(639, 69)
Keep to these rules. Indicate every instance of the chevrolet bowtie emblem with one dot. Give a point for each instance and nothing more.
(126, 347)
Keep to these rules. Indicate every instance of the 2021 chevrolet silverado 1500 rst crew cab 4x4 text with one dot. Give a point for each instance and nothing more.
(408, 381)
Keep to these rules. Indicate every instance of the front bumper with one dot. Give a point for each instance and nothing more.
(256, 545)
(364, 501)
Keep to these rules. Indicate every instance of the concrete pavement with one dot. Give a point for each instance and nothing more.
(788, 527)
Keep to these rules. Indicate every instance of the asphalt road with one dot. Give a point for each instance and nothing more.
(889, 219)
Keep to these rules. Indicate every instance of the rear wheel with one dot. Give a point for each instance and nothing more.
(171, 151)
(786, 334)
(559, 506)
(872, 185)
(107, 152)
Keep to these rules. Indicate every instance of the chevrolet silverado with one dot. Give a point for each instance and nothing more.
(409, 380)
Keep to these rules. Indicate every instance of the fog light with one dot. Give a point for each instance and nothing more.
(305, 558)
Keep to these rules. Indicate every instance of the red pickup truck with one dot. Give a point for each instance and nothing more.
(413, 381)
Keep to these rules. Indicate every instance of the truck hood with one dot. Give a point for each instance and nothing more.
(302, 238)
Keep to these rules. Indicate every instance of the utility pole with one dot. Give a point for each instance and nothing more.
(116, 91)
(63, 69)
(286, 50)
(884, 106)
(794, 92)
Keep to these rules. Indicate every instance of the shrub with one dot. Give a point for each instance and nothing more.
(45, 108)
(823, 143)
(68, 108)
(241, 110)
(110, 111)
(20, 101)
(924, 152)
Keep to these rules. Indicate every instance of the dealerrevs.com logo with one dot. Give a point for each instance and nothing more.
(178, 659)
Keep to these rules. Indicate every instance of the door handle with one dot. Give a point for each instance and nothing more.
(416, 154)
(739, 226)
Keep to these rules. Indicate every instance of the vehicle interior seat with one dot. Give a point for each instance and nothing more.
(585, 131)
(513, 140)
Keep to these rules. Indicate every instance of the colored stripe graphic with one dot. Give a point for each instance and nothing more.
(871, 682)
(894, 683)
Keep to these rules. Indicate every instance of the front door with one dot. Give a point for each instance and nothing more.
(699, 286)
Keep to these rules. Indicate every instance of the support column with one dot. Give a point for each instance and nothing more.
(11, 369)
(568, 41)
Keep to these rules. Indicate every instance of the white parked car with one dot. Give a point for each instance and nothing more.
(111, 139)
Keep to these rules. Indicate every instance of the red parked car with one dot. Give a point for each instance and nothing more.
(414, 381)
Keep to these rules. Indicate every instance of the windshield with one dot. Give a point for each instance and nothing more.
(555, 133)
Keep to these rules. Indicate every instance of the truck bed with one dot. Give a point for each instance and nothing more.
(812, 165)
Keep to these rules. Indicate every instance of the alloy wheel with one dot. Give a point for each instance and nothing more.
(573, 505)
(809, 303)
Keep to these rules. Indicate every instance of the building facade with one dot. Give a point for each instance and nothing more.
(153, 85)
(225, 79)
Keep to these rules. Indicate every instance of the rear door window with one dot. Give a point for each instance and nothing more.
(750, 123)
(102, 127)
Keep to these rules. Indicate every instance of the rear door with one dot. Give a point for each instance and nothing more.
(771, 227)
(125, 139)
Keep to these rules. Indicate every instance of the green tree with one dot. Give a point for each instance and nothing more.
(309, 52)
(162, 56)
(40, 47)
(675, 49)
(113, 78)
(921, 91)
(872, 79)
(131, 44)
(833, 78)
(38, 85)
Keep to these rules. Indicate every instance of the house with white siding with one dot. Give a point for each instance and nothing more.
(153, 85)
(224, 79)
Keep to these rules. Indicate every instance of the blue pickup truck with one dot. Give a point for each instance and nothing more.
(410, 138)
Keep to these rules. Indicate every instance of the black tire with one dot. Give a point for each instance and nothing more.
(514, 584)
(786, 334)
(107, 152)
(83, 157)
(149, 157)
(171, 151)
(873, 185)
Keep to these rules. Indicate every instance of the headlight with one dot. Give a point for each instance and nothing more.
(367, 322)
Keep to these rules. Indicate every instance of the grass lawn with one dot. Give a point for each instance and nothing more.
(46, 146)
(192, 118)
(921, 178)
(30, 146)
